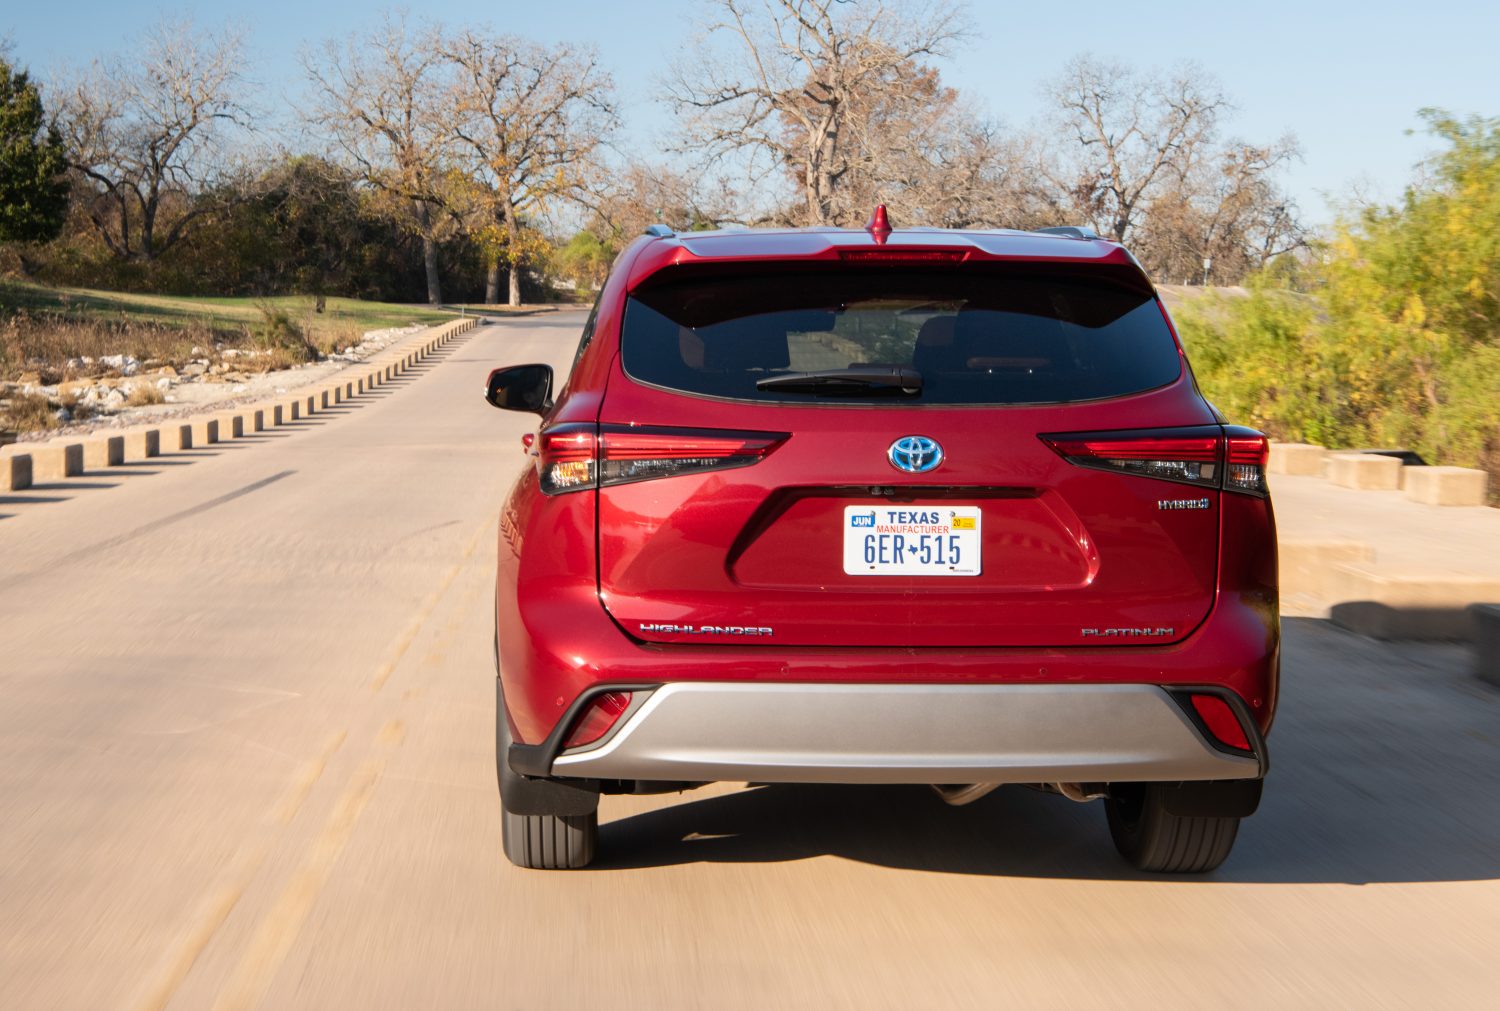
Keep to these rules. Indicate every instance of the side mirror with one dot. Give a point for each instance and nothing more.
(520, 388)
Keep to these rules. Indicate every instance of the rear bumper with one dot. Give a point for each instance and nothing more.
(903, 733)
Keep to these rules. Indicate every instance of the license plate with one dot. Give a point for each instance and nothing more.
(911, 540)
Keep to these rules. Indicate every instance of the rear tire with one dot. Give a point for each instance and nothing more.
(551, 842)
(1153, 839)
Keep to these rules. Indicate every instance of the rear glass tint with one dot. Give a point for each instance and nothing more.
(976, 337)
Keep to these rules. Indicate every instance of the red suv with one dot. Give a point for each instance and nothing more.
(875, 506)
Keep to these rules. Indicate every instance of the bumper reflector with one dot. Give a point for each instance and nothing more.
(1221, 721)
(602, 714)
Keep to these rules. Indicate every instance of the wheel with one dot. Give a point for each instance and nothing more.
(1152, 838)
(541, 841)
(550, 841)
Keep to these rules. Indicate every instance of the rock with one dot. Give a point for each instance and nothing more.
(166, 370)
(230, 353)
(115, 361)
(217, 370)
(114, 398)
(63, 415)
(164, 383)
(74, 364)
(196, 351)
(194, 369)
(131, 367)
(29, 377)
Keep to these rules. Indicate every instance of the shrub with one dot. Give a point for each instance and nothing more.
(27, 412)
(1398, 343)
(277, 331)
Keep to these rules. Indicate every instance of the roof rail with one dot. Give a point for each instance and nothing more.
(1069, 231)
(659, 231)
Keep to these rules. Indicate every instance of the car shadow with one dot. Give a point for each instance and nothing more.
(1385, 768)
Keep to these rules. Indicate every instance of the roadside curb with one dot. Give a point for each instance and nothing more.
(67, 458)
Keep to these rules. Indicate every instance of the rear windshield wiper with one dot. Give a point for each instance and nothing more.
(861, 381)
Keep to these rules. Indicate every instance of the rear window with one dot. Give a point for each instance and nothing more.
(975, 337)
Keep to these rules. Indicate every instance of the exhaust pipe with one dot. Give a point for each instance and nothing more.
(1081, 793)
(958, 796)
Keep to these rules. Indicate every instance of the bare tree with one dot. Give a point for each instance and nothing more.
(1224, 218)
(810, 89)
(1138, 157)
(1130, 134)
(145, 138)
(380, 99)
(531, 120)
(638, 195)
(933, 161)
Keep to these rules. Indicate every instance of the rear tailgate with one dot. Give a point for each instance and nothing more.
(822, 540)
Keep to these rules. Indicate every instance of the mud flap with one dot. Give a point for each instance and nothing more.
(1232, 798)
(526, 795)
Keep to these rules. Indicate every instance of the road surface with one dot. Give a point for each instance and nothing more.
(246, 761)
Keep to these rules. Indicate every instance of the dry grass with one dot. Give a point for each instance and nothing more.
(272, 361)
(27, 412)
(44, 344)
(144, 396)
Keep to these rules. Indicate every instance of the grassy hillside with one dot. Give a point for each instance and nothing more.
(53, 336)
(216, 313)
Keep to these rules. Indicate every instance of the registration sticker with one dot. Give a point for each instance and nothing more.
(910, 540)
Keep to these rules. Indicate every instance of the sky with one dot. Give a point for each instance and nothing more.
(1347, 79)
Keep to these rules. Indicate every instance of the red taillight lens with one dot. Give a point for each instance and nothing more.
(565, 458)
(1232, 458)
(1248, 451)
(639, 454)
(1221, 721)
(602, 713)
(1188, 455)
(573, 457)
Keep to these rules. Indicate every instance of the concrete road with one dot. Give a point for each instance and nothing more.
(246, 761)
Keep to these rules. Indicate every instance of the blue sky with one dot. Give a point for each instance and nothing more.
(1346, 78)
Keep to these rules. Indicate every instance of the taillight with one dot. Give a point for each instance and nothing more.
(603, 712)
(572, 457)
(1208, 456)
(1220, 720)
(1186, 455)
(1247, 454)
(565, 458)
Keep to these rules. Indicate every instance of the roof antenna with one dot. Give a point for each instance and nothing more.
(879, 226)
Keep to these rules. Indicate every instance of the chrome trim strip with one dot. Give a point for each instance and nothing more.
(905, 733)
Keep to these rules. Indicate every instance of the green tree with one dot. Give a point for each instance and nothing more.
(33, 184)
(1397, 341)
